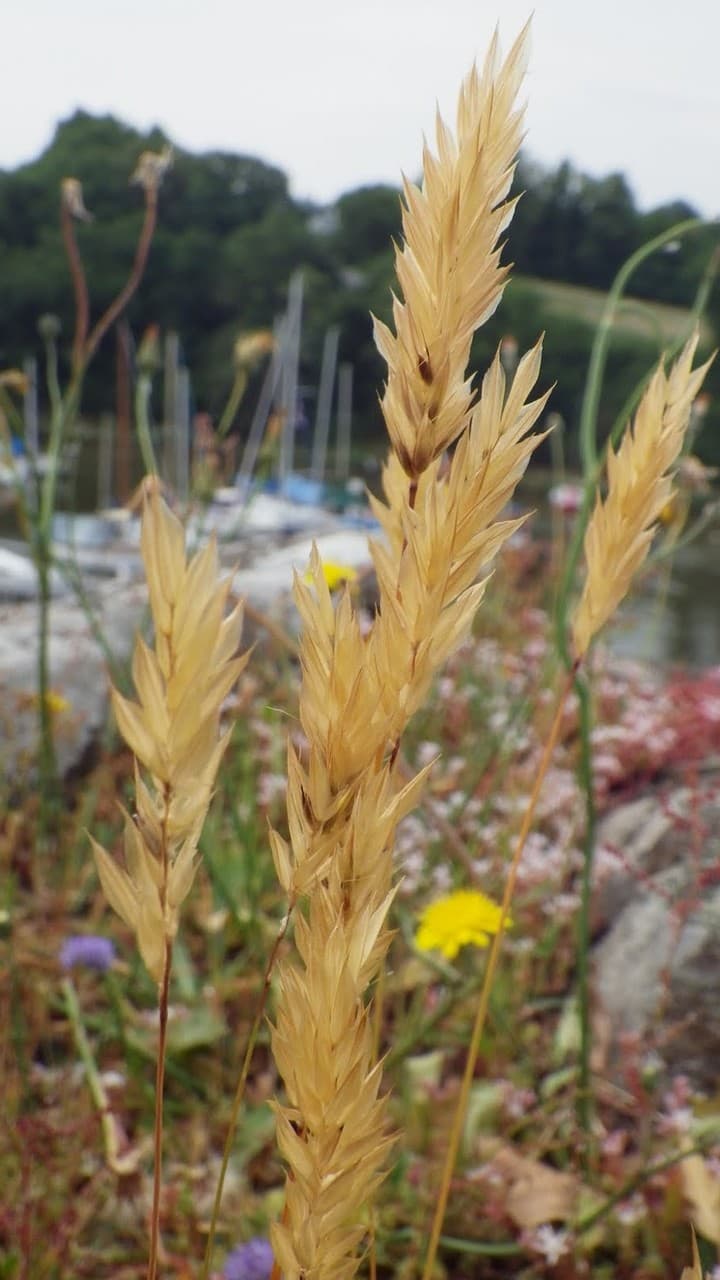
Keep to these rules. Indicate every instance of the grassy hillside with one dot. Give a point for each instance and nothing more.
(653, 320)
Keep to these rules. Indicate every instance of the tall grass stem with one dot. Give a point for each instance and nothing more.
(591, 471)
(142, 421)
(158, 1131)
(585, 777)
(601, 343)
(493, 957)
(240, 1090)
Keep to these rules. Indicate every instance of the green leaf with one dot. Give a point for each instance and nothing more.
(195, 1029)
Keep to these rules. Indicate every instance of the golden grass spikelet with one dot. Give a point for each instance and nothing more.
(449, 265)
(333, 1133)
(358, 689)
(447, 537)
(173, 731)
(639, 485)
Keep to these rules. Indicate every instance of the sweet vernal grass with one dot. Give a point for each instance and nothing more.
(443, 526)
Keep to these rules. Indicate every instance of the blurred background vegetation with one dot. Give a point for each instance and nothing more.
(230, 235)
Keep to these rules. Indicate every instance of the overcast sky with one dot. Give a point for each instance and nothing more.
(338, 93)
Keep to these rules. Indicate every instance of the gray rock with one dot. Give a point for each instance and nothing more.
(78, 675)
(18, 577)
(657, 965)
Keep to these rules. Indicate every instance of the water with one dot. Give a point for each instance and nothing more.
(674, 617)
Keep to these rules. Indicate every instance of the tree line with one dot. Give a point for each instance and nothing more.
(230, 235)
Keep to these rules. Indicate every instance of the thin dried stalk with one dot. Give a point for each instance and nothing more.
(639, 485)
(174, 734)
(460, 1113)
(344, 794)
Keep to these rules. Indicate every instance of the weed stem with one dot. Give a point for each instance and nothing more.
(240, 1091)
(460, 1110)
(159, 1090)
(584, 1097)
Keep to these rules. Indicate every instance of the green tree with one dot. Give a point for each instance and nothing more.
(367, 220)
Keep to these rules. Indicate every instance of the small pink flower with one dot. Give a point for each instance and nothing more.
(566, 498)
(517, 1101)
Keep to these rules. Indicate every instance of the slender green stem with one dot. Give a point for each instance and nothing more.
(41, 549)
(584, 1097)
(601, 344)
(704, 290)
(51, 377)
(496, 1249)
(47, 755)
(237, 392)
(158, 1132)
(64, 409)
(240, 1090)
(61, 420)
(591, 402)
(72, 1008)
(633, 1184)
(73, 576)
(143, 391)
(591, 471)
(699, 304)
(510, 1248)
(92, 1074)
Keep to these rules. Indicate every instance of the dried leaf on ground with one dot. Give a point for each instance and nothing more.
(534, 1192)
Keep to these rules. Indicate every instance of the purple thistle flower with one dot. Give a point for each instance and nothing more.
(251, 1261)
(87, 951)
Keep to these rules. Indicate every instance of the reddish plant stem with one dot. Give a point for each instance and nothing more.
(242, 1081)
(159, 1090)
(77, 273)
(119, 303)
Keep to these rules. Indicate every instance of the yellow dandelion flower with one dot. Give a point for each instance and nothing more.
(335, 574)
(54, 701)
(462, 919)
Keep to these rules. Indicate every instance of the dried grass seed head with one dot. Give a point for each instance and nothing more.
(440, 545)
(639, 485)
(449, 265)
(358, 690)
(173, 730)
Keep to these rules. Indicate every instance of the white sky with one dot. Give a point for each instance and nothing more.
(337, 93)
